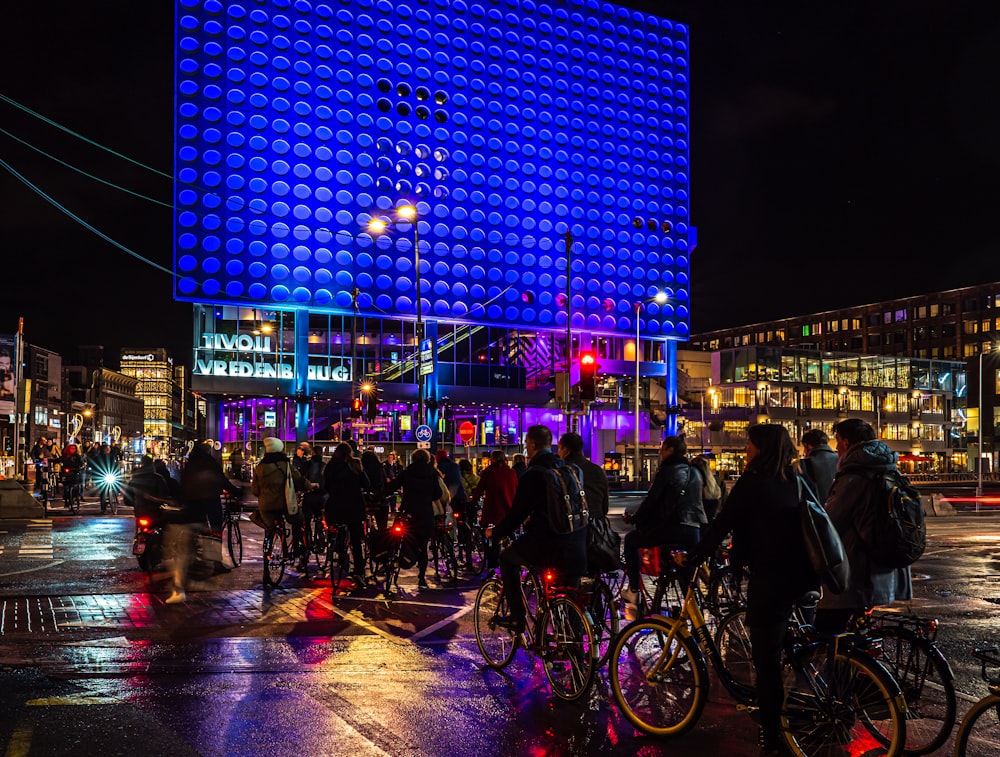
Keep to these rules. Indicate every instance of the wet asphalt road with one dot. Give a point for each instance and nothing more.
(93, 662)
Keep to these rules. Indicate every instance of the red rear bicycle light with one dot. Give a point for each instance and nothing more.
(144, 522)
(397, 529)
(550, 577)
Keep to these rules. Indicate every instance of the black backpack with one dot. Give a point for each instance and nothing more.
(899, 534)
(565, 500)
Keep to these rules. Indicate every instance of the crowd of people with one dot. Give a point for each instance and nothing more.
(688, 507)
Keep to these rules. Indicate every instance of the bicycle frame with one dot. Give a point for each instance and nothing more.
(690, 623)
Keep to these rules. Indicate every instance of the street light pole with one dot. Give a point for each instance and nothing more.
(979, 451)
(659, 298)
(569, 333)
(703, 421)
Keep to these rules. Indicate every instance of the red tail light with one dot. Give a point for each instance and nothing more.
(144, 522)
(550, 577)
(397, 529)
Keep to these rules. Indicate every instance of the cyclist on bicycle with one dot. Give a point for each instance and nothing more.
(762, 512)
(539, 546)
(40, 452)
(497, 486)
(268, 484)
(71, 465)
(345, 482)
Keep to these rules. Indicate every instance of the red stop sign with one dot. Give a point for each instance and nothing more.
(467, 431)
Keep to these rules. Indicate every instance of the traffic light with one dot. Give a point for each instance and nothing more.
(356, 407)
(588, 376)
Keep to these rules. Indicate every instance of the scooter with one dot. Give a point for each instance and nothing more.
(147, 546)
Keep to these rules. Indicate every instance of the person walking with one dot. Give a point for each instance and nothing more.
(856, 492)
(497, 486)
(419, 482)
(539, 546)
(202, 483)
(345, 483)
(671, 512)
(762, 513)
(819, 461)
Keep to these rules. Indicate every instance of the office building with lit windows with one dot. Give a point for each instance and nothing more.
(443, 202)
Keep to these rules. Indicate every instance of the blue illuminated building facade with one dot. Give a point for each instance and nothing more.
(518, 130)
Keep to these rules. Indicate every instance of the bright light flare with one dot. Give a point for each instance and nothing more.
(660, 298)
(407, 211)
(376, 226)
(110, 478)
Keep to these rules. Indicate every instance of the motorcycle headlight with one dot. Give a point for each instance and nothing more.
(110, 478)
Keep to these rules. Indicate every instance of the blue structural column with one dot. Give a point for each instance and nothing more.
(432, 402)
(300, 380)
(673, 408)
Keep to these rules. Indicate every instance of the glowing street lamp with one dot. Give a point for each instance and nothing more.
(409, 214)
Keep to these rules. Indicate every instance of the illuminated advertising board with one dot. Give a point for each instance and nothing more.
(505, 123)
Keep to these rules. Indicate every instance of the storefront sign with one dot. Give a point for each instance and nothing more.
(147, 358)
(244, 369)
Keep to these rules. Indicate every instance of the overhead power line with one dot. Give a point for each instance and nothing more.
(13, 172)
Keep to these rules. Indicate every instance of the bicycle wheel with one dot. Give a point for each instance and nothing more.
(496, 644)
(658, 678)
(568, 654)
(727, 591)
(475, 558)
(318, 544)
(234, 540)
(449, 556)
(531, 590)
(927, 683)
(979, 734)
(274, 556)
(605, 620)
(843, 706)
(733, 641)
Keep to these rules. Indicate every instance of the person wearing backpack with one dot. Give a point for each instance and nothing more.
(549, 541)
(671, 513)
(857, 491)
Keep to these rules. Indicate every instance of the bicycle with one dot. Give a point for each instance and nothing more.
(276, 553)
(979, 732)
(557, 630)
(604, 616)
(838, 701)
(46, 486)
(232, 536)
(338, 554)
(384, 552)
(73, 492)
(471, 545)
(442, 548)
(904, 645)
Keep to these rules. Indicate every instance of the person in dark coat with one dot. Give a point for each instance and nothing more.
(419, 482)
(453, 480)
(375, 499)
(345, 483)
(819, 462)
(202, 484)
(856, 492)
(539, 546)
(595, 480)
(520, 466)
(497, 486)
(762, 512)
(146, 489)
(672, 511)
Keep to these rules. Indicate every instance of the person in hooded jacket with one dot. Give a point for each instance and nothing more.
(202, 483)
(419, 482)
(70, 469)
(856, 492)
(268, 484)
(345, 483)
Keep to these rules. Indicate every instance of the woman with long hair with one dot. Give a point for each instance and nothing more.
(345, 483)
(762, 512)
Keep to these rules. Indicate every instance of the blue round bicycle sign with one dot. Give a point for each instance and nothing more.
(423, 433)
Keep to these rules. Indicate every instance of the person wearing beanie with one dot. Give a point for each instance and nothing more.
(268, 485)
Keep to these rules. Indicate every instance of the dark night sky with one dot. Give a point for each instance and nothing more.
(841, 154)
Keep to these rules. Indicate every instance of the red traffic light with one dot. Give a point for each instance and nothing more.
(588, 375)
